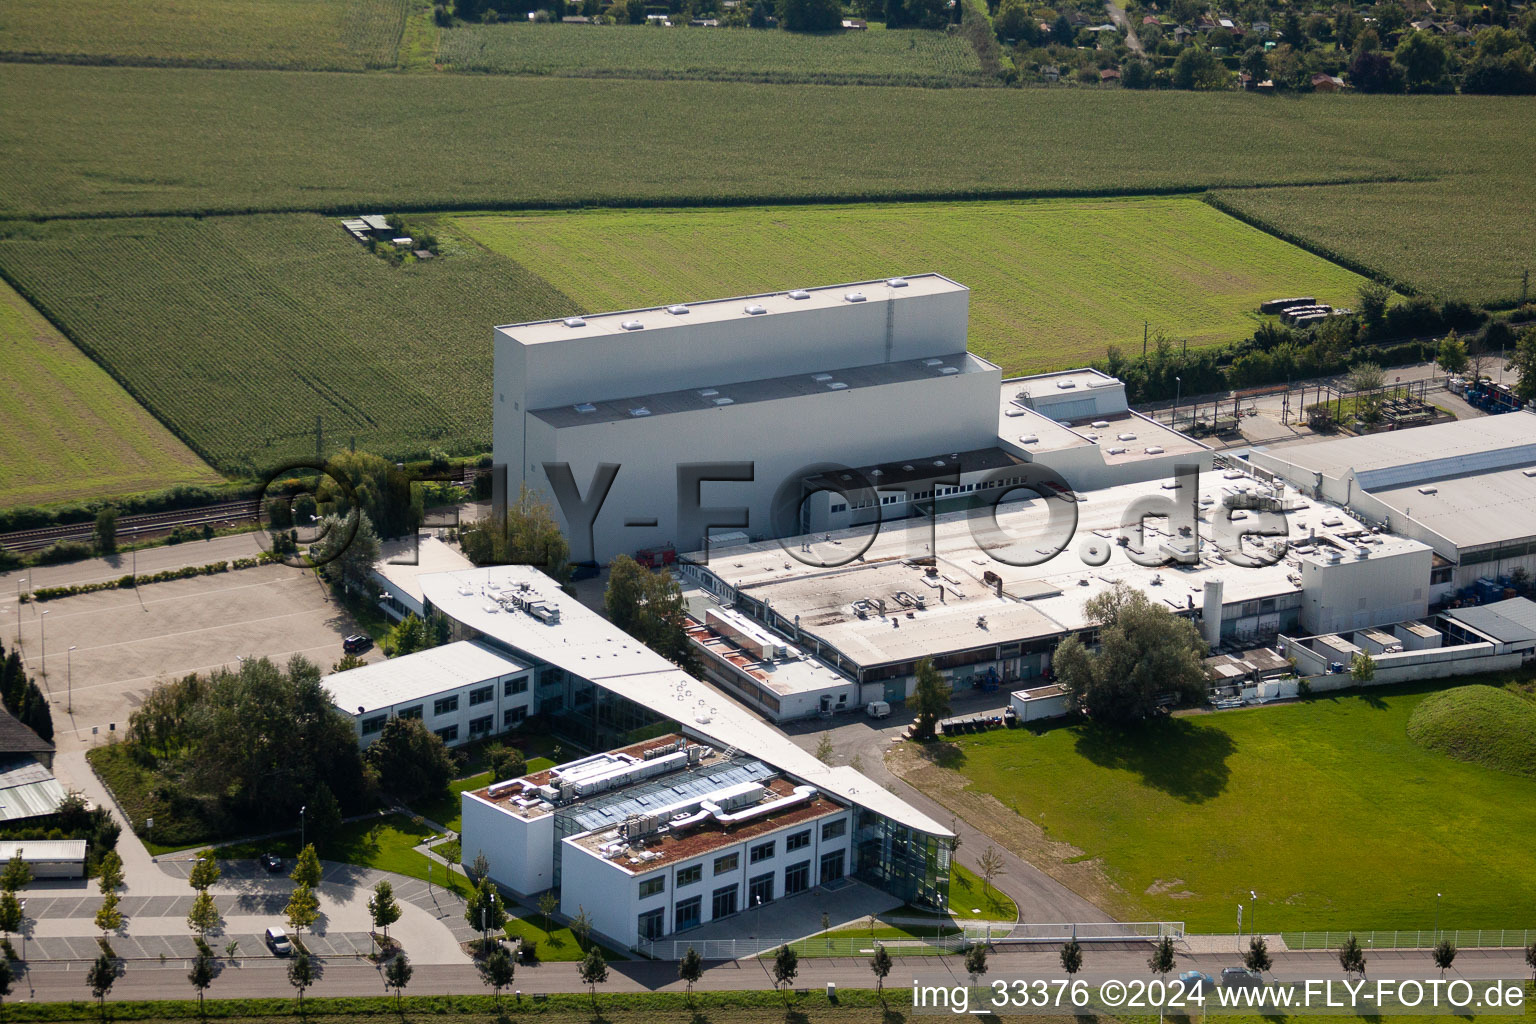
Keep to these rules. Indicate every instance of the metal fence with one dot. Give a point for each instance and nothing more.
(1425, 938)
(851, 943)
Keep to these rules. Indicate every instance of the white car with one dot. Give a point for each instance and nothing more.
(278, 942)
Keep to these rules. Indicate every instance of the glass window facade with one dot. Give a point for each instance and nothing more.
(688, 913)
(910, 865)
(723, 902)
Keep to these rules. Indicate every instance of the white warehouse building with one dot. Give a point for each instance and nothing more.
(790, 382)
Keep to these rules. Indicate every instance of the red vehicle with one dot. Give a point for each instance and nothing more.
(651, 558)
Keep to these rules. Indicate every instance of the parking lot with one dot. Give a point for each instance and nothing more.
(125, 641)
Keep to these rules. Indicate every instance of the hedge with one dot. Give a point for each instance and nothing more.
(126, 582)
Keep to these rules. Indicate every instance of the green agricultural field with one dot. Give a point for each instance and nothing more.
(1052, 281)
(1325, 807)
(897, 57)
(69, 428)
(332, 35)
(241, 330)
(1406, 230)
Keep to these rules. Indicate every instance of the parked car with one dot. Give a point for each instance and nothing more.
(1197, 982)
(1240, 977)
(357, 643)
(272, 862)
(278, 942)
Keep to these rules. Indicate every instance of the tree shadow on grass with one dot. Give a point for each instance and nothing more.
(1183, 759)
(942, 753)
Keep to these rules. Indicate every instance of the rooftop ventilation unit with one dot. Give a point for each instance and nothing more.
(799, 293)
(725, 401)
(1066, 385)
(1100, 424)
(632, 325)
(755, 309)
(585, 407)
(1429, 489)
(854, 297)
(1125, 437)
(896, 282)
(837, 385)
(933, 362)
(821, 378)
(949, 371)
(677, 310)
(709, 392)
(1155, 449)
(642, 411)
(575, 321)
(1118, 451)
(1029, 439)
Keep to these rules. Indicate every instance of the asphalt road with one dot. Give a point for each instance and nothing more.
(153, 980)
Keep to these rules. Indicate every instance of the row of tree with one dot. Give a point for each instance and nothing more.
(22, 697)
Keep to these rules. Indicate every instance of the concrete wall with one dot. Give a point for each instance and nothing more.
(782, 438)
(1405, 666)
(521, 853)
(1040, 708)
(1360, 592)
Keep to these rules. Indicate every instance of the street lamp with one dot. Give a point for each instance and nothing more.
(485, 932)
(302, 809)
(429, 864)
(1437, 915)
(69, 703)
(42, 627)
(1178, 392)
(1253, 927)
(23, 905)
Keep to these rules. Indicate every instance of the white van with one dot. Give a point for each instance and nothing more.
(878, 709)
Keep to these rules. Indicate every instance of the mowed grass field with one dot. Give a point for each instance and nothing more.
(1326, 808)
(1052, 281)
(70, 429)
(241, 330)
(332, 35)
(895, 57)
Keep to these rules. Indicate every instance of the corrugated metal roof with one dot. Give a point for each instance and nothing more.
(33, 850)
(27, 789)
(1511, 621)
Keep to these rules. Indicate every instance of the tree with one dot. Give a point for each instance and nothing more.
(345, 552)
(530, 535)
(303, 908)
(398, 974)
(306, 867)
(10, 914)
(485, 909)
(976, 960)
(992, 864)
(581, 925)
(648, 605)
(1424, 60)
(204, 913)
(106, 531)
(1374, 297)
(301, 973)
(1374, 71)
(103, 973)
(1352, 957)
(1366, 377)
(1257, 957)
(593, 971)
(1137, 74)
(506, 762)
(496, 970)
(548, 904)
(880, 964)
(16, 875)
(323, 813)
(824, 751)
(408, 637)
(1072, 957)
(381, 492)
(1362, 668)
(383, 908)
(1524, 365)
(201, 975)
(7, 978)
(1197, 68)
(1445, 955)
(35, 714)
(412, 761)
(1530, 959)
(1162, 959)
(205, 872)
(1145, 653)
(1255, 65)
(108, 917)
(1452, 356)
(690, 969)
(930, 699)
(810, 15)
(786, 964)
(109, 873)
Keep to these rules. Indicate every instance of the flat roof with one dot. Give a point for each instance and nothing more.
(1132, 437)
(590, 647)
(1035, 432)
(1040, 692)
(1413, 446)
(429, 554)
(540, 332)
(27, 789)
(675, 845)
(37, 850)
(1474, 509)
(904, 471)
(1038, 600)
(795, 673)
(1059, 383)
(394, 681)
(726, 394)
(1509, 621)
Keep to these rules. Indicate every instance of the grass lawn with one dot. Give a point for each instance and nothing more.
(1052, 281)
(1325, 807)
(70, 429)
(446, 810)
(968, 893)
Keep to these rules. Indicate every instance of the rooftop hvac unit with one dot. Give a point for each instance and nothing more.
(584, 407)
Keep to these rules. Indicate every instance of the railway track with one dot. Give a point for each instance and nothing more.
(154, 524)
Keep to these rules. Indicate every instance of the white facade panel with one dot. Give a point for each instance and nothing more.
(520, 852)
